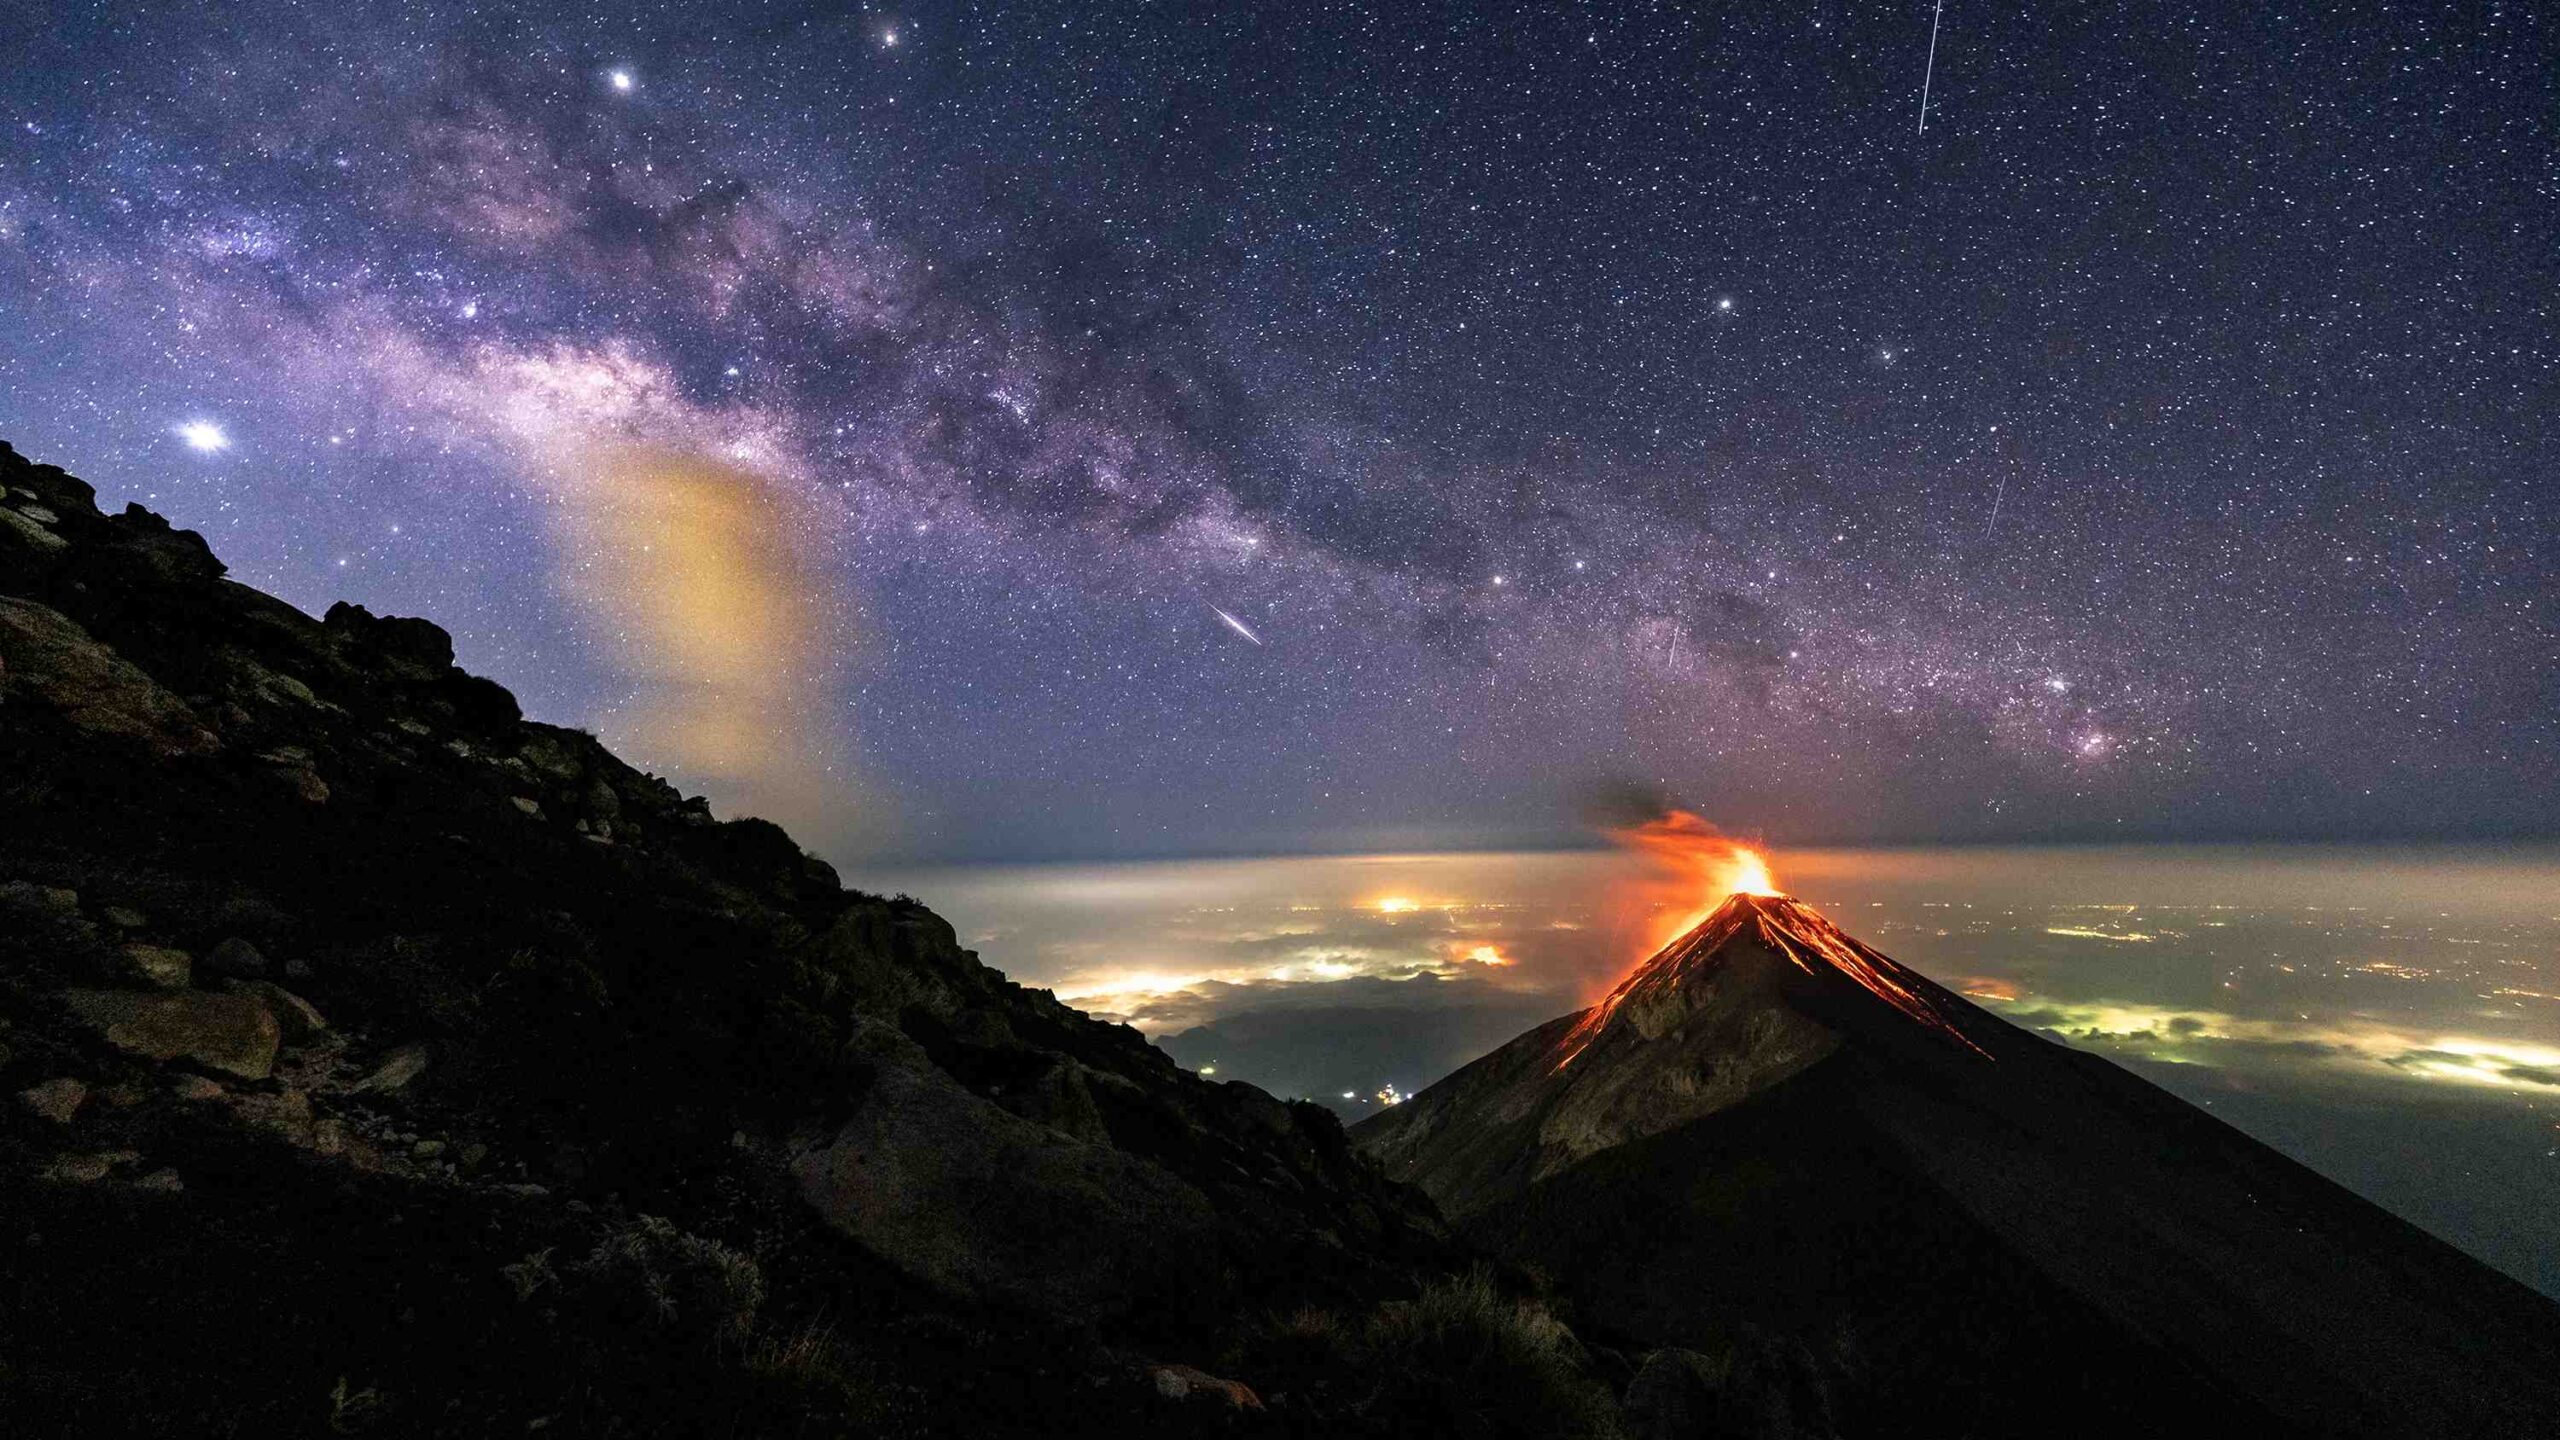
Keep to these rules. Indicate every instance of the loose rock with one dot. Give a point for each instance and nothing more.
(231, 1033)
(86, 1169)
(296, 1019)
(27, 529)
(49, 660)
(57, 1099)
(1182, 1382)
(236, 958)
(158, 965)
(396, 1070)
(51, 900)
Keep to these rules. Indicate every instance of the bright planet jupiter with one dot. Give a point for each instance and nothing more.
(895, 421)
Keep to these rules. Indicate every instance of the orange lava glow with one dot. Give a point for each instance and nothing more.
(1691, 867)
(1800, 935)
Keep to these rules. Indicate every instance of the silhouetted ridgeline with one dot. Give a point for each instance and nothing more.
(378, 1061)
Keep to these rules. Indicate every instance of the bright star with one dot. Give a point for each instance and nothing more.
(204, 435)
(622, 81)
(889, 38)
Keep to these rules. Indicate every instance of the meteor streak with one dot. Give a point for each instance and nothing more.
(1237, 625)
(1931, 73)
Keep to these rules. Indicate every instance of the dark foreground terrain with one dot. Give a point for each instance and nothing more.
(376, 1061)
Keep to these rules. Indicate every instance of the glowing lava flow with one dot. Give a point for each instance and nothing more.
(1798, 932)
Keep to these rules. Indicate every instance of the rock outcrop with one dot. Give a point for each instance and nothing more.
(235, 1034)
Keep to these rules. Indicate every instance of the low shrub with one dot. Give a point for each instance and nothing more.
(678, 1279)
(1461, 1359)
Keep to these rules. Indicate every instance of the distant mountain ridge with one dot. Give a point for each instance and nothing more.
(1954, 1226)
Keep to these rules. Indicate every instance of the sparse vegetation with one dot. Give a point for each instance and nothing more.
(814, 1372)
(683, 1280)
(531, 1274)
(1463, 1358)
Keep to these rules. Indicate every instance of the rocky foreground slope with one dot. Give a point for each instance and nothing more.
(1934, 1223)
(375, 1060)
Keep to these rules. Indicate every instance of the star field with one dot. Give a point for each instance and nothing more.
(1077, 430)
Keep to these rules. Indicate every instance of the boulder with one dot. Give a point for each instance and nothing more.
(1059, 1097)
(296, 1018)
(29, 531)
(157, 965)
(291, 768)
(48, 661)
(994, 1209)
(48, 900)
(57, 1099)
(283, 1112)
(420, 646)
(236, 958)
(144, 551)
(84, 1169)
(396, 1070)
(1182, 1382)
(234, 1034)
(887, 960)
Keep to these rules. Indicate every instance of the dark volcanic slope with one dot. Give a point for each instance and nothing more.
(1773, 1128)
(374, 1059)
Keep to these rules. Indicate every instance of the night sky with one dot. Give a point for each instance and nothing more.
(1007, 431)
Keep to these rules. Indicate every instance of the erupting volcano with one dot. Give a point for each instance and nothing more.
(1772, 1141)
(1719, 888)
(1791, 929)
